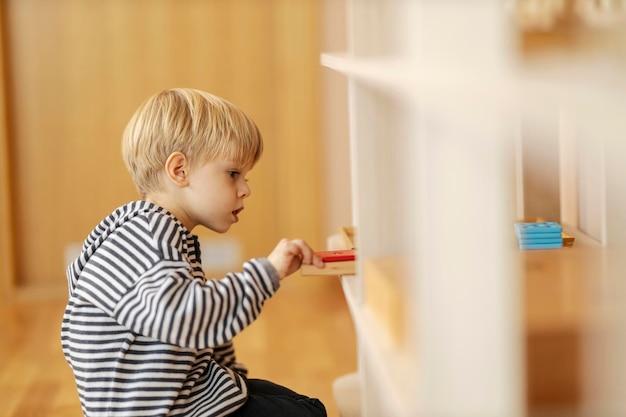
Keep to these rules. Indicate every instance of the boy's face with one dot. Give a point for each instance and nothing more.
(215, 195)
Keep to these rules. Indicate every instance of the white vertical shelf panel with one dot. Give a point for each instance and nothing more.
(568, 168)
(467, 294)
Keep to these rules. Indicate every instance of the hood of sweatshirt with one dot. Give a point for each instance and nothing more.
(103, 231)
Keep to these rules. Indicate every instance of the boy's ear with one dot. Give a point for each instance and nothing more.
(177, 169)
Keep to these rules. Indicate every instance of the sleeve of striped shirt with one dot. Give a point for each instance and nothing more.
(168, 304)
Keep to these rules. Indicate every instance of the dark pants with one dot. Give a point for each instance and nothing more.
(267, 399)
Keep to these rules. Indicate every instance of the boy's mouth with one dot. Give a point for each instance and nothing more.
(235, 214)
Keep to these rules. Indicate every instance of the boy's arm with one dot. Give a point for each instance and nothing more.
(167, 303)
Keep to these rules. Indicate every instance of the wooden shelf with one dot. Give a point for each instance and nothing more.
(330, 268)
(376, 343)
(385, 296)
(558, 306)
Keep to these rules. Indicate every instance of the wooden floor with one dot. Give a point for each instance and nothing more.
(304, 339)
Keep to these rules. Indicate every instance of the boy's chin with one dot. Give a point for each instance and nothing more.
(221, 229)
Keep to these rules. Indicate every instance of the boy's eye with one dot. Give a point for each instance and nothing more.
(233, 174)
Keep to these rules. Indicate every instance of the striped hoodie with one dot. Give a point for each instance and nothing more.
(145, 333)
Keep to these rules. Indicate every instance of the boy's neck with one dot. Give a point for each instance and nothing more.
(171, 204)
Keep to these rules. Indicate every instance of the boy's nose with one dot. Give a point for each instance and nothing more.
(245, 190)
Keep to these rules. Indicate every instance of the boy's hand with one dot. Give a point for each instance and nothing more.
(288, 255)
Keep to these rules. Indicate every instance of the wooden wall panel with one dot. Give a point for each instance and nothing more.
(337, 176)
(297, 112)
(77, 69)
(7, 260)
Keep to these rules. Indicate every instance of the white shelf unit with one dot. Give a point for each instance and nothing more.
(429, 169)
(439, 105)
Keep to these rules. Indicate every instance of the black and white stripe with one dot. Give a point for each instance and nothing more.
(144, 332)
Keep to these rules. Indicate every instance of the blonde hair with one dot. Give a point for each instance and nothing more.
(202, 126)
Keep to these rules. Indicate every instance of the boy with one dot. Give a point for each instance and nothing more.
(145, 333)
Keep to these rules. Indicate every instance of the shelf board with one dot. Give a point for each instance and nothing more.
(330, 268)
(557, 284)
(555, 83)
(383, 72)
(405, 77)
